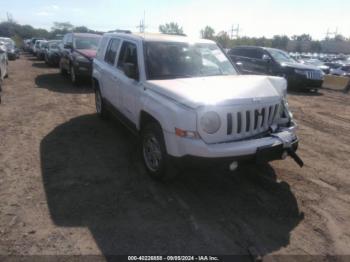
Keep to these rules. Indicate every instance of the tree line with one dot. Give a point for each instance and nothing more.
(19, 32)
(296, 43)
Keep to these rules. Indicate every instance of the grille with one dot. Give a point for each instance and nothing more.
(251, 122)
(314, 75)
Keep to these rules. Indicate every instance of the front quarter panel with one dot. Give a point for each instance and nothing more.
(169, 113)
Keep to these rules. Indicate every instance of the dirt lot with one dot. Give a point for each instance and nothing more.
(73, 184)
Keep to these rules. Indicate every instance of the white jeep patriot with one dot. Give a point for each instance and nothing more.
(187, 101)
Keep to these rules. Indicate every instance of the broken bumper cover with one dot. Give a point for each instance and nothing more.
(264, 149)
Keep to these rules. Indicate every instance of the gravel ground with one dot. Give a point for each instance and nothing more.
(72, 184)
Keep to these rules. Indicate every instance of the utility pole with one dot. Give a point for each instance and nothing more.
(9, 17)
(329, 33)
(142, 25)
(234, 32)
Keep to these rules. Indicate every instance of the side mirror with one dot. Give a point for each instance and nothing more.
(68, 46)
(131, 71)
(266, 58)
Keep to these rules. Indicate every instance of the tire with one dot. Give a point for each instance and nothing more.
(154, 155)
(62, 70)
(0, 87)
(74, 78)
(100, 107)
(47, 60)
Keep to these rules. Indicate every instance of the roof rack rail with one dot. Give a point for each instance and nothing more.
(178, 34)
(120, 31)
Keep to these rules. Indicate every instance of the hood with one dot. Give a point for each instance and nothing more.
(300, 66)
(89, 53)
(199, 91)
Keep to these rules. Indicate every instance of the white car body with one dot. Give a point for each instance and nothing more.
(180, 104)
(341, 71)
(37, 45)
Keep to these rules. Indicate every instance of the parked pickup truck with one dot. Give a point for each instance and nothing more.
(187, 102)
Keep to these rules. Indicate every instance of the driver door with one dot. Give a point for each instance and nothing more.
(129, 88)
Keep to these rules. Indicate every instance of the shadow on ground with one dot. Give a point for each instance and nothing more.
(57, 83)
(93, 178)
(305, 93)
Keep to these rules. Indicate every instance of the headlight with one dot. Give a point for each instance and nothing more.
(300, 72)
(285, 115)
(210, 122)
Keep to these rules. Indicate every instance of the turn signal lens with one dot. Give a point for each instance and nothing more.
(184, 133)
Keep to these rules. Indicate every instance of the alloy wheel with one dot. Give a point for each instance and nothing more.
(152, 153)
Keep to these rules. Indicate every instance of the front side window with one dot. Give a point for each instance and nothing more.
(86, 42)
(112, 50)
(166, 60)
(128, 54)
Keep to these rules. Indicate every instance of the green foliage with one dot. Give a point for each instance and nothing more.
(62, 26)
(303, 37)
(223, 39)
(280, 42)
(208, 33)
(19, 32)
(171, 29)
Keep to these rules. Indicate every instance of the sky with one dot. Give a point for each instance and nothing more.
(255, 17)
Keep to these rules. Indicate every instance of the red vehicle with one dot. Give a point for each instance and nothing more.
(76, 55)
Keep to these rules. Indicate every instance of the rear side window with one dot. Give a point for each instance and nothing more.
(111, 51)
(247, 52)
(128, 54)
(69, 39)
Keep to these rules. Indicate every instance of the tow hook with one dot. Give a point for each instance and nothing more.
(295, 157)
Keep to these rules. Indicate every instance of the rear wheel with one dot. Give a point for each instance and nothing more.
(47, 60)
(62, 70)
(157, 162)
(100, 108)
(73, 76)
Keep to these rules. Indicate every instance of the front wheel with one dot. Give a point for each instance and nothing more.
(100, 108)
(154, 155)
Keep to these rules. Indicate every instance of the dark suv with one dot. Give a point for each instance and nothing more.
(77, 53)
(270, 61)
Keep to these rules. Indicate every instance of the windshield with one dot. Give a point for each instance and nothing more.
(86, 42)
(166, 60)
(280, 56)
(346, 68)
(314, 62)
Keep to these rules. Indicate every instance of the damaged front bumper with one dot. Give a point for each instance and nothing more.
(273, 146)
